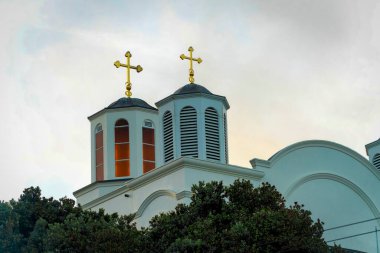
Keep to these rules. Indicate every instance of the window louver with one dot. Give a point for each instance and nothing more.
(168, 136)
(189, 135)
(212, 134)
(225, 137)
(376, 161)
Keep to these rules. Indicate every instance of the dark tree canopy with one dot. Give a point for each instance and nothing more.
(235, 218)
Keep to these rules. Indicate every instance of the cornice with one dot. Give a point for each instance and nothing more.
(176, 165)
(105, 110)
(311, 144)
(210, 96)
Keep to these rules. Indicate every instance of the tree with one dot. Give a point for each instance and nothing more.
(236, 218)
(10, 238)
(25, 222)
(90, 231)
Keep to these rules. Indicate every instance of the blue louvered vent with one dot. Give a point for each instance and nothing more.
(225, 137)
(168, 136)
(376, 161)
(189, 134)
(212, 134)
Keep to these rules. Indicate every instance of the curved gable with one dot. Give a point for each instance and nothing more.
(323, 145)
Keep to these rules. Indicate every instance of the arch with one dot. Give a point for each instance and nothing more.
(122, 150)
(169, 193)
(98, 128)
(99, 153)
(148, 123)
(325, 144)
(148, 146)
(144, 205)
(212, 134)
(376, 161)
(167, 127)
(372, 207)
(189, 132)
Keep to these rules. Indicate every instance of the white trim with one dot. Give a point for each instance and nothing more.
(160, 193)
(121, 109)
(171, 167)
(316, 143)
(194, 163)
(151, 198)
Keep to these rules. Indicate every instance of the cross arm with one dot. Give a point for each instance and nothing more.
(118, 64)
(138, 68)
(182, 56)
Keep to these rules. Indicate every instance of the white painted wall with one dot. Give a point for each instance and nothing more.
(337, 184)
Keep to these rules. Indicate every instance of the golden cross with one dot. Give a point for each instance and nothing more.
(191, 71)
(128, 66)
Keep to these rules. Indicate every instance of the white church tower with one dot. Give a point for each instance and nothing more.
(123, 140)
(123, 136)
(194, 122)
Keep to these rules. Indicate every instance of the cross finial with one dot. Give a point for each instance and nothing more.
(128, 66)
(191, 71)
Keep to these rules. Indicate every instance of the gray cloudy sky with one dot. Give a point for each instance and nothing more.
(291, 70)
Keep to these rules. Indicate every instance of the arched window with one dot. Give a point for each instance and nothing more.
(376, 161)
(149, 156)
(212, 134)
(122, 167)
(168, 136)
(225, 137)
(99, 160)
(189, 133)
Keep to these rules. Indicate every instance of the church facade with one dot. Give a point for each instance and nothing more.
(145, 159)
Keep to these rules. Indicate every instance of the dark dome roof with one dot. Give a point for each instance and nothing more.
(192, 88)
(130, 102)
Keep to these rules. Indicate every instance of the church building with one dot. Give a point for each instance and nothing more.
(145, 159)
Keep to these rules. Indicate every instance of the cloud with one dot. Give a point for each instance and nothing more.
(291, 70)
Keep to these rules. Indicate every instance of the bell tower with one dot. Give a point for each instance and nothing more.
(124, 135)
(193, 122)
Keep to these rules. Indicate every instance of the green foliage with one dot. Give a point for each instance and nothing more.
(25, 222)
(235, 218)
(10, 238)
(188, 246)
(36, 239)
(94, 232)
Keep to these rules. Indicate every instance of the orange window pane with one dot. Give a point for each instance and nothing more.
(99, 173)
(148, 166)
(148, 135)
(99, 156)
(99, 140)
(148, 152)
(122, 168)
(121, 151)
(121, 134)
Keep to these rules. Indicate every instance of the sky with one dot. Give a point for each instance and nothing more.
(291, 70)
